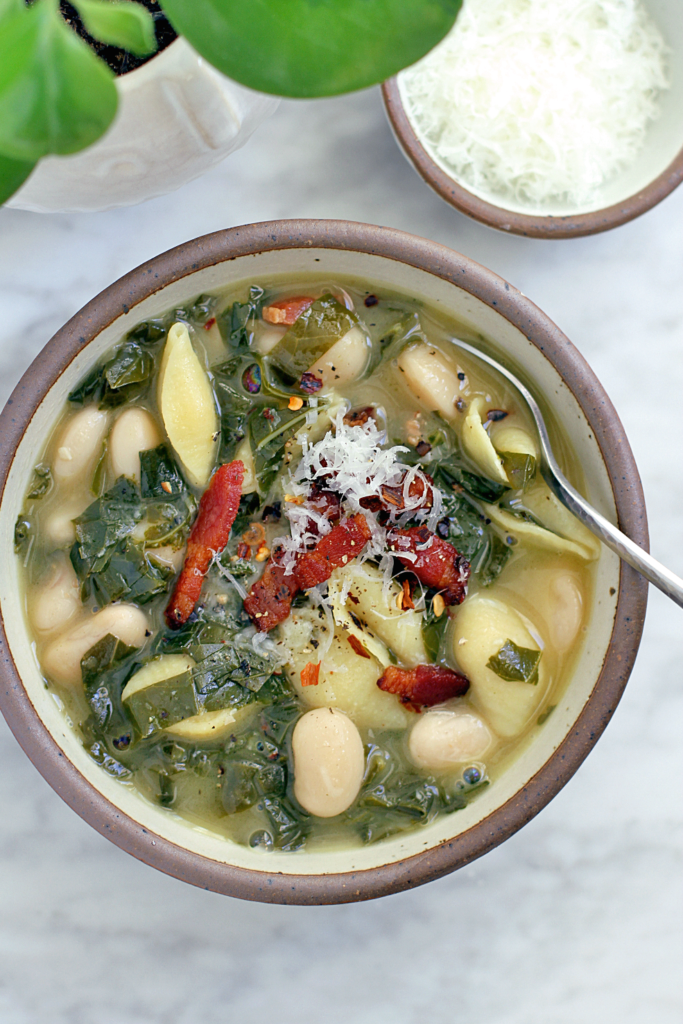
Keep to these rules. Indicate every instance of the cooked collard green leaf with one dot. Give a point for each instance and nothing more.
(515, 664)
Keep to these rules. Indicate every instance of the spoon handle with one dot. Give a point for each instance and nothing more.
(613, 538)
(646, 565)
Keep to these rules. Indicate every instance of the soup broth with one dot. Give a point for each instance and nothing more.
(291, 568)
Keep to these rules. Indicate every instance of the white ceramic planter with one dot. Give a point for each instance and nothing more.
(177, 117)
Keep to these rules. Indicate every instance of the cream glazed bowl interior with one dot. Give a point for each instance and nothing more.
(512, 328)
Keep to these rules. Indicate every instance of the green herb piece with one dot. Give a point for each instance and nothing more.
(478, 486)
(130, 365)
(520, 469)
(433, 629)
(23, 535)
(100, 475)
(119, 380)
(515, 664)
(200, 310)
(162, 704)
(129, 26)
(224, 671)
(107, 521)
(308, 48)
(167, 790)
(492, 560)
(234, 321)
(248, 508)
(159, 468)
(108, 563)
(474, 537)
(149, 332)
(56, 96)
(109, 764)
(128, 573)
(41, 483)
(13, 174)
(309, 337)
(545, 715)
(105, 669)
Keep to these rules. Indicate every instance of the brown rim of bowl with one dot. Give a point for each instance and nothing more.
(526, 224)
(448, 265)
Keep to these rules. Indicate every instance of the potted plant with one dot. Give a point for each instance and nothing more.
(97, 109)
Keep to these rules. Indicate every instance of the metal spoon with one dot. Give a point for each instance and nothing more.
(645, 564)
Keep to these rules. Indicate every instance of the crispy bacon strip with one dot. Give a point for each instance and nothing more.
(424, 686)
(287, 311)
(437, 563)
(310, 673)
(339, 546)
(217, 511)
(269, 601)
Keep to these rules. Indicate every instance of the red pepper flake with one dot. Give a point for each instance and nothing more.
(269, 414)
(243, 550)
(310, 673)
(217, 511)
(310, 383)
(423, 686)
(407, 599)
(358, 647)
(209, 323)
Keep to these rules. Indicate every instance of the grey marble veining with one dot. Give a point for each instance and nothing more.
(577, 918)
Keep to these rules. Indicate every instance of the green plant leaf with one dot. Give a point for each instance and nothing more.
(312, 47)
(119, 23)
(56, 96)
(13, 174)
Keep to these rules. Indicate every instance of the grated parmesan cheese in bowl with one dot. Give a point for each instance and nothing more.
(536, 102)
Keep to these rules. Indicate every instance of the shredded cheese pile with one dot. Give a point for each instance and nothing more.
(360, 466)
(539, 100)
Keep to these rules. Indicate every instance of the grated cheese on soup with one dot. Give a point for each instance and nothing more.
(539, 100)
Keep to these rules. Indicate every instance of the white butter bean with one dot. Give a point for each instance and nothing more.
(566, 614)
(266, 337)
(133, 432)
(62, 658)
(441, 740)
(59, 525)
(56, 599)
(80, 444)
(328, 762)
(344, 361)
(431, 378)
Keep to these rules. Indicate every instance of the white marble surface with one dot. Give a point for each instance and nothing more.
(576, 919)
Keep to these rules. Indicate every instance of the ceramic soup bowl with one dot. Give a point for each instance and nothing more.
(516, 331)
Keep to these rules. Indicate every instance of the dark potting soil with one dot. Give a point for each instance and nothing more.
(120, 61)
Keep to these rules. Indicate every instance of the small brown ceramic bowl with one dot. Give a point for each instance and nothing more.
(656, 172)
(515, 330)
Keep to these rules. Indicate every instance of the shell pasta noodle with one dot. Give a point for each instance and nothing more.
(291, 570)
